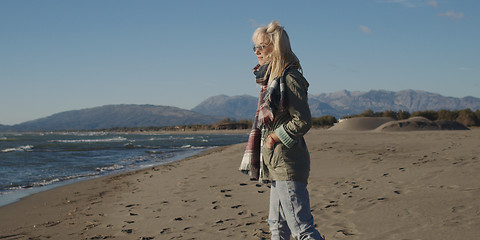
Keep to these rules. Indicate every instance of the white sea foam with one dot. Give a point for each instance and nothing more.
(46, 182)
(81, 134)
(115, 139)
(110, 168)
(159, 138)
(36, 184)
(155, 152)
(26, 148)
(197, 147)
(190, 147)
(89, 133)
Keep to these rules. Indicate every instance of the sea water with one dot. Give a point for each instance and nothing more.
(33, 162)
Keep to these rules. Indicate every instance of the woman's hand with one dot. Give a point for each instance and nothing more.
(272, 140)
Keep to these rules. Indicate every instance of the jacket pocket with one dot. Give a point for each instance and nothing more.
(267, 156)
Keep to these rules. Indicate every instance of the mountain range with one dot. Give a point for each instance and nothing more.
(241, 107)
(343, 103)
(235, 107)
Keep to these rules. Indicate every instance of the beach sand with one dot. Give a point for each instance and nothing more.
(363, 185)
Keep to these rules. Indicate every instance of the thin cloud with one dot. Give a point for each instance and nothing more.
(451, 15)
(254, 23)
(411, 3)
(432, 3)
(463, 68)
(407, 3)
(365, 29)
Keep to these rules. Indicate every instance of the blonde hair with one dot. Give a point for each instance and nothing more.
(282, 55)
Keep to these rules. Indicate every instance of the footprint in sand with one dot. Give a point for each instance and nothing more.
(102, 237)
(242, 213)
(226, 191)
(345, 232)
(345, 229)
(332, 204)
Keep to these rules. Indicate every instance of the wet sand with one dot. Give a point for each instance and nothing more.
(363, 185)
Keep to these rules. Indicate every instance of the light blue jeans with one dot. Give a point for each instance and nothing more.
(290, 212)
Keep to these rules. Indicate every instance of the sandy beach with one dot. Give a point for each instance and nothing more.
(363, 185)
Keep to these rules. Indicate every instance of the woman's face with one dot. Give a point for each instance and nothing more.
(262, 48)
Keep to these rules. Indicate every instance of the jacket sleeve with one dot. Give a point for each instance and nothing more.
(297, 106)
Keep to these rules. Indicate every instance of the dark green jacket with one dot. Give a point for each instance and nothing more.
(290, 159)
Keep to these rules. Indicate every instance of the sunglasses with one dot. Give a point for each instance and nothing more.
(260, 47)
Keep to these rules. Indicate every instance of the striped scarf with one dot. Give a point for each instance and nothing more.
(272, 98)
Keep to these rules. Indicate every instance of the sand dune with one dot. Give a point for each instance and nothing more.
(389, 124)
(360, 123)
(420, 124)
(364, 185)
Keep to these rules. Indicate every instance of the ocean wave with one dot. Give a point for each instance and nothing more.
(130, 145)
(198, 147)
(188, 146)
(26, 148)
(46, 182)
(115, 139)
(80, 134)
(88, 133)
(170, 138)
(159, 138)
(155, 152)
(110, 168)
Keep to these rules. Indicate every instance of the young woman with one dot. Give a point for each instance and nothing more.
(284, 117)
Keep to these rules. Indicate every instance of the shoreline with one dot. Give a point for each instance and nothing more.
(180, 132)
(15, 195)
(363, 185)
(9, 196)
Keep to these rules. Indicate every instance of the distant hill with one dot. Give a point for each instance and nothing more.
(116, 116)
(343, 103)
(235, 107)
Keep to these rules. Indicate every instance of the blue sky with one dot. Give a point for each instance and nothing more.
(65, 55)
